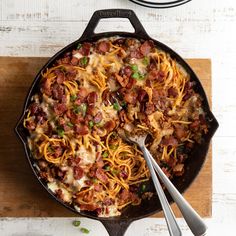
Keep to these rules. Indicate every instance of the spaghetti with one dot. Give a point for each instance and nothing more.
(91, 93)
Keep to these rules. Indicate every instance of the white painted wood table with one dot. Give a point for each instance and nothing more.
(199, 29)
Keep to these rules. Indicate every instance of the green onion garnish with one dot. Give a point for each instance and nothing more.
(91, 124)
(80, 109)
(73, 97)
(105, 154)
(84, 61)
(137, 76)
(76, 223)
(70, 124)
(84, 230)
(143, 187)
(107, 168)
(116, 106)
(60, 132)
(79, 46)
(145, 61)
(134, 68)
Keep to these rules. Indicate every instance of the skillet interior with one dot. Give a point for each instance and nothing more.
(193, 163)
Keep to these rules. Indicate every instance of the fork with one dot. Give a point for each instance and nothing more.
(194, 221)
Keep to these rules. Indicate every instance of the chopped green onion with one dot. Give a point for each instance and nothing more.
(107, 168)
(73, 97)
(70, 124)
(137, 76)
(79, 45)
(84, 61)
(76, 223)
(134, 68)
(123, 104)
(80, 109)
(116, 106)
(60, 132)
(94, 180)
(84, 230)
(91, 124)
(143, 187)
(145, 61)
(105, 154)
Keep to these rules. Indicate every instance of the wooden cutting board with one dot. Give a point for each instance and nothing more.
(20, 193)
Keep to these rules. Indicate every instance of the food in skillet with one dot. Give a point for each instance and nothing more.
(91, 93)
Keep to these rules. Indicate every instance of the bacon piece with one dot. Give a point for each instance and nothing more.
(71, 74)
(127, 71)
(123, 116)
(60, 76)
(108, 201)
(88, 207)
(110, 125)
(123, 174)
(97, 187)
(34, 108)
(92, 98)
(156, 75)
(172, 92)
(81, 129)
(85, 49)
(142, 95)
(83, 92)
(97, 118)
(100, 174)
(125, 195)
(136, 54)
(195, 124)
(130, 97)
(58, 151)
(46, 87)
(74, 61)
(103, 47)
(57, 92)
(150, 108)
(146, 47)
(169, 141)
(30, 124)
(60, 108)
(123, 81)
(78, 172)
(180, 131)
(131, 83)
(106, 95)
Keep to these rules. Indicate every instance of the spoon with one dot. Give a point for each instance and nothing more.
(172, 225)
(194, 221)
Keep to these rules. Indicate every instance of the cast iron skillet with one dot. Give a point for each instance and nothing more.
(116, 226)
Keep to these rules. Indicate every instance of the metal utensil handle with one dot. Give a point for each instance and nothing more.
(194, 221)
(173, 227)
(113, 13)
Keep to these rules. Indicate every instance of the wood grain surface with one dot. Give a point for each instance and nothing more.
(20, 193)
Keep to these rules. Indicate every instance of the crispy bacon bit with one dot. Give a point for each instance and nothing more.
(60, 108)
(123, 117)
(172, 92)
(136, 54)
(100, 174)
(146, 47)
(60, 76)
(92, 98)
(131, 97)
(46, 87)
(108, 201)
(103, 47)
(123, 81)
(85, 49)
(156, 75)
(30, 124)
(131, 83)
(180, 131)
(34, 108)
(74, 61)
(142, 95)
(169, 141)
(88, 207)
(110, 125)
(71, 74)
(57, 92)
(106, 97)
(150, 108)
(78, 172)
(127, 71)
(125, 194)
(97, 187)
(81, 129)
(195, 124)
(98, 118)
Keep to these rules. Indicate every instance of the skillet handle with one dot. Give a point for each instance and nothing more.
(113, 13)
(116, 227)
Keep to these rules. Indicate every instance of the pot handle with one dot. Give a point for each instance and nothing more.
(116, 227)
(113, 13)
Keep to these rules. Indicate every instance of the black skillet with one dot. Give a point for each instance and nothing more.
(116, 226)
